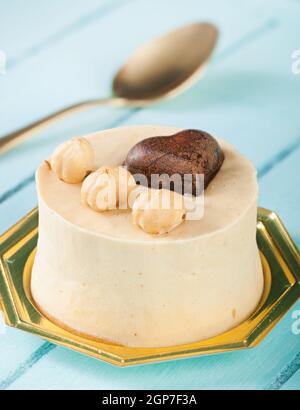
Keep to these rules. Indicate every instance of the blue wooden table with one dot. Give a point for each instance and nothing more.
(62, 51)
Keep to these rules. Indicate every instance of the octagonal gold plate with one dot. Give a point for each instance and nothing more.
(281, 263)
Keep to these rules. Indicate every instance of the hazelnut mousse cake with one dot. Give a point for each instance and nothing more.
(113, 262)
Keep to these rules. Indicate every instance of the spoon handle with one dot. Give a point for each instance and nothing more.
(11, 140)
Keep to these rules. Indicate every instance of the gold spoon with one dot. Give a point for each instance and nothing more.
(160, 69)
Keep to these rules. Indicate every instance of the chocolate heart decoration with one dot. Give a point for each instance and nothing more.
(188, 152)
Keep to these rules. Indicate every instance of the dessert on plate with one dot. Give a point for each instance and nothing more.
(113, 262)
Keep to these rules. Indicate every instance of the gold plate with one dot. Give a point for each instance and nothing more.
(281, 264)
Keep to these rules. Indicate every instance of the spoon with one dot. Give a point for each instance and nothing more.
(160, 69)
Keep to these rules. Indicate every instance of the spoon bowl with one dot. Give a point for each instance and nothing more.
(167, 65)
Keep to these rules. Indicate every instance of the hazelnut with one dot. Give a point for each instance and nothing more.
(72, 160)
(158, 211)
(107, 188)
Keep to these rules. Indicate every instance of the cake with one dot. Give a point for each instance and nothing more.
(101, 275)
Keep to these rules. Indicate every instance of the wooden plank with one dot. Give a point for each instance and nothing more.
(17, 206)
(14, 347)
(279, 191)
(293, 383)
(28, 27)
(288, 378)
(250, 369)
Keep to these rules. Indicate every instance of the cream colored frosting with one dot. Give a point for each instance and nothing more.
(228, 196)
(100, 274)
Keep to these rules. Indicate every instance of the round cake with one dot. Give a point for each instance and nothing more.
(99, 274)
